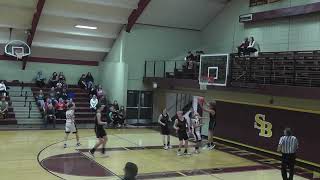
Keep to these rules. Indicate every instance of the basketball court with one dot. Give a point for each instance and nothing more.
(40, 154)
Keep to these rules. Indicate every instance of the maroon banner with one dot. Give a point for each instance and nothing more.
(262, 127)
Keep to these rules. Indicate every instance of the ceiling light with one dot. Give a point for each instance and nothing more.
(86, 27)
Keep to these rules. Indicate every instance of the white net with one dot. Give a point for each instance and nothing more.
(203, 87)
(19, 55)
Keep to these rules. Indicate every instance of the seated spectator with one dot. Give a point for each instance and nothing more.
(114, 117)
(100, 92)
(59, 90)
(82, 82)
(3, 89)
(53, 96)
(122, 115)
(93, 103)
(130, 171)
(64, 94)
(242, 49)
(92, 91)
(40, 79)
(89, 80)
(61, 77)
(253, 48)
(51, 114)
(40, 100)
(53, 80)
(103, 100)
(60, 109)
(190, 56)
(4, 107)
(116, 105)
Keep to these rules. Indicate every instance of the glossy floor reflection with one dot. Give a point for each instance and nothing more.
(40, 155)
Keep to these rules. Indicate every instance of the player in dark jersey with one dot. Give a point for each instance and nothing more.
(182, 128)
(164, 120)
(212, 123)
(99, 130)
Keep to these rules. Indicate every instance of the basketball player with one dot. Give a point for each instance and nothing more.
(196, 126)
(164, 120)
(182, 128)
(212, 123)
(70, 125)
(99, 130)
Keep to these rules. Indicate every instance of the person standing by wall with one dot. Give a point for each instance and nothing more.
(288, 146)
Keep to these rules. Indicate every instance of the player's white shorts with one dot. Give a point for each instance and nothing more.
(196, 134)
(71, 128)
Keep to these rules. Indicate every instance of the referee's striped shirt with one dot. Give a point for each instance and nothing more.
(289, 144)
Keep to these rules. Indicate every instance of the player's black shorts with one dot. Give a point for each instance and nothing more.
(183, 136)
(165, 130)
(100, 132)
(212, 125)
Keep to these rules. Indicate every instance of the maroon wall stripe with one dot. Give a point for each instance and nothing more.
(53, 60)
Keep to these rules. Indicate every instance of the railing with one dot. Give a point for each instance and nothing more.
(168, 69)
(286, 68)
(30, 108)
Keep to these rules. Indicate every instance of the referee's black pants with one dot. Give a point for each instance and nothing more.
(288, 161)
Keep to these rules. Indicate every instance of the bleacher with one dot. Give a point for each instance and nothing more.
(83, 113)
(294, 68)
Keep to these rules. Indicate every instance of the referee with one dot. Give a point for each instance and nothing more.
(288, 146)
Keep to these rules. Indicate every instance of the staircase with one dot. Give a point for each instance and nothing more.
(21, 108)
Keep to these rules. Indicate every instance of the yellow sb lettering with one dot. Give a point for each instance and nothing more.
(264, 126)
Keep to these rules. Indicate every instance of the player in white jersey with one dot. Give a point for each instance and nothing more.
(71, 125)
(196, 128)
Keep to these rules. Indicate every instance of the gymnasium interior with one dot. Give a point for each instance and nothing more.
(257, 61)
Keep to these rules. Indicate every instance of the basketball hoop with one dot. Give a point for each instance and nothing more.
(19, 55)
(203, 87)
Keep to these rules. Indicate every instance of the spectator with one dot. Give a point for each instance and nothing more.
(190, 56)
(92, 91)
(40, 100)
(103, 100)
(4, 108)
(51, 115)
(59, 89)
(114, 117)
(100, 92)
(64, 94)
(40, 79)
(116, 105)
(61, 77)
(53, 80)
(89, 80)
(60, 107)
(198, 56)
(93, 103)
(3, 89)
(52, 96)
(130, 171)
(242, 49)
(122, 116)
(253, 48)
(82, 82)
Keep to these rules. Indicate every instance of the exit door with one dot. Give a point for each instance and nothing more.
(139, 107)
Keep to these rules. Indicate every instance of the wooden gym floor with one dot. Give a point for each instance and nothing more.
(39, 154)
